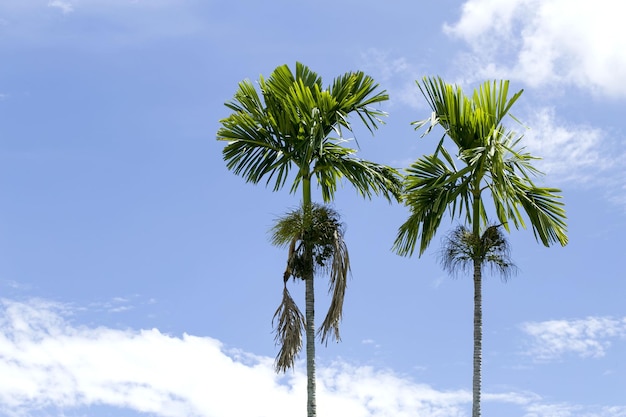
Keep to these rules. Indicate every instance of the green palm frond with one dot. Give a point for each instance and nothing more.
(297, 124)
(433, 187)
(492, 98)
(545, 211)
(491, 159)
(368, 178)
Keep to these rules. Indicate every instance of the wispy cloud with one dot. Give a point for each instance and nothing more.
(572, 152)
(539, 42)
(121, 22)
(65, 6)
(587, 338)
(115, 305)
(15, 285)
(397, 74)
(569, 410)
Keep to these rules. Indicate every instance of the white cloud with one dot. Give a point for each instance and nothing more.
(64, 6)
(117, 304)
(571, 42)
(134, 21)
(568, 410)
(589, 337)
(574, 153)
(570, 152)
(47, 361)
(50, 363)
(397, 72)
(553, 410)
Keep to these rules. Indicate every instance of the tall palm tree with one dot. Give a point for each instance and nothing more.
(297, 124)
(490, 162)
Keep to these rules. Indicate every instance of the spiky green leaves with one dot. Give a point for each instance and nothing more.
(490, 158)
(314, 238)
(297, 124)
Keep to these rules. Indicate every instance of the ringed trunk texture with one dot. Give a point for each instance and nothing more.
(310, 347)
(478, 336)
(309, 296)
(478, 301)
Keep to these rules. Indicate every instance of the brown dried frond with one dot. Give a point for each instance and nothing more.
(461, 248)
(338, 281)
(288, 332)
(290, 258)
(317, 248)
(496, 252)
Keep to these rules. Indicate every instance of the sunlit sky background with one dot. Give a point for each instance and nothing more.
(136, 274)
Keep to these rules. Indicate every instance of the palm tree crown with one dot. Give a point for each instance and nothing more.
(491, 159)
(297, 123)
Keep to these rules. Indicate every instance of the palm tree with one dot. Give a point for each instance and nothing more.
(491, 162)
(297, 124)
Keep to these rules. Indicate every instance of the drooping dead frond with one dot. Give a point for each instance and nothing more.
(461, 248)
(338, 279)
(289, 231)
(328, 254)
(457, 253)
(291, 258)
(496, 252)
(320, 235)
(288, 332)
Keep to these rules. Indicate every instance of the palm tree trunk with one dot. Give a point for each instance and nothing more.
(310, 346)
(309, 296)
(478, 336)
(478, 302)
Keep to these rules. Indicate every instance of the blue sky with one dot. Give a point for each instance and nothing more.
(136, 274)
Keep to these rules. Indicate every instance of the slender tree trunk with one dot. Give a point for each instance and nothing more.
(478, 336)
(478, 303)
(310, 347)
(309, 297)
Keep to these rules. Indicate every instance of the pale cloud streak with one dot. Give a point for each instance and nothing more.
(65, 6)
(568, 410)
(397, 74)
(133, 21)
(571, 152)
(544, 42)
(587, 338)
(574, 153)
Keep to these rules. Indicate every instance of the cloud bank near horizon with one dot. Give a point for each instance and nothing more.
(52, 363)
(49, 362)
